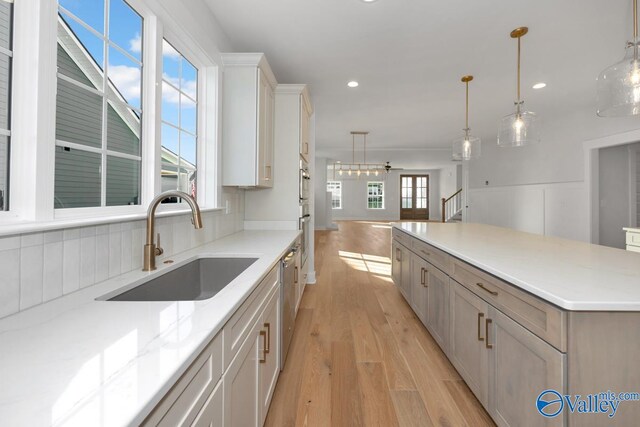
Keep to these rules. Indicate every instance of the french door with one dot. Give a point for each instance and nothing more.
(414, 197)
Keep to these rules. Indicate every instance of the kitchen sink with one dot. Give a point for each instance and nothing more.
(198, 280)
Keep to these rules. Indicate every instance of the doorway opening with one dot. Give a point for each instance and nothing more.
(414, 197)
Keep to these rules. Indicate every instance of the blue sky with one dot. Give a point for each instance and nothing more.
(125, 29)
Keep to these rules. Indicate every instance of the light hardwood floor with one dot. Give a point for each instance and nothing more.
(359, 355)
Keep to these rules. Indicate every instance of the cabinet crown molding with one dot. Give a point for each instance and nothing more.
(257, 59)
(297, 89)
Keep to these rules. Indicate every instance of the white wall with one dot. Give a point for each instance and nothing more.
(354, 196)
(319, 180)
(541, 188)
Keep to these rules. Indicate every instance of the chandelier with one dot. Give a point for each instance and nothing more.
(357, 169)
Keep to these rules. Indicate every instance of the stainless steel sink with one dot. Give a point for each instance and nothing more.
(200, 279)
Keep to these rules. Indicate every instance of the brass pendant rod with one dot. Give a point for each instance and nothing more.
(518, 70)
(365, 149)
(353, 149)
(466, 121)
(635, 20)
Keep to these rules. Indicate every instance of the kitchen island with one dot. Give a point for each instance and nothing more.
(519, 313)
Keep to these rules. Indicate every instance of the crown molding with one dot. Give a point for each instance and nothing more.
(250, 59)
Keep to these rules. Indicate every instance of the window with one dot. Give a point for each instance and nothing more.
(98, 104)
(179, 121)
(6, 54)
(375, 195)
(336, 194)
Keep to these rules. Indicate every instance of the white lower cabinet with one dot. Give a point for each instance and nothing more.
(438, 306)
(419, 287)
(208, 394)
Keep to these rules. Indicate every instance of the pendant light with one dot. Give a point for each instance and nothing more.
(521, 127)
(619, 85)
(467, 147)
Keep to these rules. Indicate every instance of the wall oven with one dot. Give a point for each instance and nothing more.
(305, 227)
(304, 182)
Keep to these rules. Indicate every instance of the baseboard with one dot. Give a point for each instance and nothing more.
(311, 278)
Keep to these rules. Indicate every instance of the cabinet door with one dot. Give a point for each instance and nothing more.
(270, 369)
(419, 287)
(242, 383)
(396, 264)
(211, 414)
(405, 280)
(438, 306)
(521, 366)
(304, 129)
(265, 132)
(467, 342)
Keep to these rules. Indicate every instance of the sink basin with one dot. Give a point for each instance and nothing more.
(200, 279)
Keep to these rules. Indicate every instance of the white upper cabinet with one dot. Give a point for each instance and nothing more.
(247, 120)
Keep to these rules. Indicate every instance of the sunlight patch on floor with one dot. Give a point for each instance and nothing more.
(378, 265)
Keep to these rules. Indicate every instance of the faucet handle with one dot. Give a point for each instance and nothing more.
(159, 250)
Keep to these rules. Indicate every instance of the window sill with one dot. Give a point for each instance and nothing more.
(14, 226)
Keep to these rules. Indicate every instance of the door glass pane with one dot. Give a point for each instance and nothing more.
(78, 115)
(77, 178)
(123, 181)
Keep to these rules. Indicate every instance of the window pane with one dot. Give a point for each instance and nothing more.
(89, 11)
(84, 47)
(6, 10)
(123, 181)
(187, 114)
(170, 63)
(78, 115)
(77, 178)
(170, 104)
(123, 130)
(188, 149)
(125, 76)
(189, 79)
(169, 144)
(4, 172)
(5, 84)
(126, 30)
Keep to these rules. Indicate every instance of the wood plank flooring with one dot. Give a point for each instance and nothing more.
(359, 355)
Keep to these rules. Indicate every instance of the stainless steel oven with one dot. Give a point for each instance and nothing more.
(305, 227)
(304, 182)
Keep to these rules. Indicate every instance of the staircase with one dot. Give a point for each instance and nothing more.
(452, 207)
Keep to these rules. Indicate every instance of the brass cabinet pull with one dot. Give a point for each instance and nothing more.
(306, 148)
(267, 172)
(480, 316)
(425, 252)
(425, 278)
(486, 333)
(268, 343)
(422, 276)
(295, 275)
(263, 334)
(484, 288)
(398, 253)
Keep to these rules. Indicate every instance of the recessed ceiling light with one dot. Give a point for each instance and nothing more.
(368, 1)
(539, 85)
(352, 83)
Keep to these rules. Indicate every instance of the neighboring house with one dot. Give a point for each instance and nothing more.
(123, 135)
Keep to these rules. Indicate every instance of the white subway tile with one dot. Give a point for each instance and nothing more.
(102, 229)
(9, 281)
(137, 247)
(87, 261)
(71, 233)
(126, 252)
(31, 239)
(116, 227)
(115, 252)
(102, 257)
(31, 265)
(181, 239)
(53, 236)
(88, 231)
(71, 266)
(52, 271)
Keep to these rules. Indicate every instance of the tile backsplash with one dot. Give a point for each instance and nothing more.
(38, 267)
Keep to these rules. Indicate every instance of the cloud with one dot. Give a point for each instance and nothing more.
(169, 51)
(135, 44)
(127, 81)
(171, 95)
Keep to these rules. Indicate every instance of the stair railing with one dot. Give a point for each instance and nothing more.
(451, 205)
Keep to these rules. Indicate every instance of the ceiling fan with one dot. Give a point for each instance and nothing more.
(388, 167)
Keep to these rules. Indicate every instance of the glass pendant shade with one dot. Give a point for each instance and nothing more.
(466, 148)
(619, 86)
(518, 129)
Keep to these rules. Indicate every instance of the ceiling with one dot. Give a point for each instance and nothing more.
(409, 55)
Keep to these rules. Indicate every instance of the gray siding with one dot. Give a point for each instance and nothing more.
(77, 181)
(67, 67)
(78, 115)
(5, 100)
(119, 136)
(123, 181)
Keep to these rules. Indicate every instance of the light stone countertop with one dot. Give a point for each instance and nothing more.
(573, 275)
(76, 361)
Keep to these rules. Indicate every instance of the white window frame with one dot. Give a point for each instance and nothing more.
(32, 160)
(335, 189)
(381, 194)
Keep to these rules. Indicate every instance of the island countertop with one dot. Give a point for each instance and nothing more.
(573, 275)
(76, 361)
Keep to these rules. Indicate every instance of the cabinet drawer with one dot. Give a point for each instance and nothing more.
(435, 256)
(543, 319)
(239, 326)
(183, 402)
(402, 238)
(633, 239)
